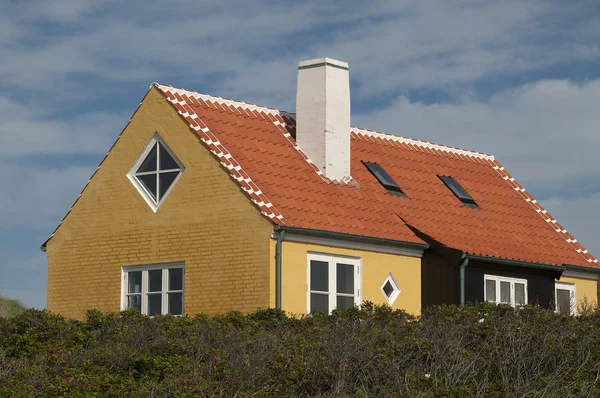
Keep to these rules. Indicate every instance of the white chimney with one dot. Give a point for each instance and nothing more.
(323, 115)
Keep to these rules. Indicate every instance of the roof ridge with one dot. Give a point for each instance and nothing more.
(422, 143)
(357, 130)
(221, 100)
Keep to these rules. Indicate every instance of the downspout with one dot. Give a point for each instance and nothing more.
(278, 251)
(461, 278)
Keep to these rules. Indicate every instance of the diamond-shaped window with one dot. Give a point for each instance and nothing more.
(155, 172)
(390, 289)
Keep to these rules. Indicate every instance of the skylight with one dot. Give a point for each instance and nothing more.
(459, 192)
(155, 172)
(384, 178)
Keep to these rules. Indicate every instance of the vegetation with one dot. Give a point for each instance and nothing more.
(10, 308)
(480, 350)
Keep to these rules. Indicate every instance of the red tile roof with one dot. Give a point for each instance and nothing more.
(257, 147)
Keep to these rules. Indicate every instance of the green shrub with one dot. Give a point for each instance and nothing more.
(479, 350)
(10, 308)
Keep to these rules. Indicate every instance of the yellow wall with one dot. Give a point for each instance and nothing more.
(206, 222)
(586, 290)
(375, 268)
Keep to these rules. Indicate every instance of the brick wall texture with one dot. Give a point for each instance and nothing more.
(205, 222)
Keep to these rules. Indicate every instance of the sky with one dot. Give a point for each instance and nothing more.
(519, 79)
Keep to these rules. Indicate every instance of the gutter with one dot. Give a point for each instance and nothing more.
(461, 278)
(517, 263)
(581, 268)
(320, 233)
(278, 255)
(525, 264)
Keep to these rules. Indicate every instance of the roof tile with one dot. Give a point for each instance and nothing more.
(292, 191)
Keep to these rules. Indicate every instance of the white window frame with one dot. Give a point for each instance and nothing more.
(332, 260)
(499, 279)
(390, 278)
(573, 294)
(144, 293)
(154, 204)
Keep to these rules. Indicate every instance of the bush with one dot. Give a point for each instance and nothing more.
(10, 308)
(476, 350)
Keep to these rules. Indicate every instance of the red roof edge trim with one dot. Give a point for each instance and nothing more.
(551, 221)
(260, 200)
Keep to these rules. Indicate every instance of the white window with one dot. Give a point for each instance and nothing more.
(565, 298)
(503, 290)
(390, 289)
(155, 172)
(333, 283)
(154, 289)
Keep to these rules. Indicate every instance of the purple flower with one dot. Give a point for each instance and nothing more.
(52, 383)
(68, 379)
(288, 364)
(1, 362)
(37, 387)
(373, 372)
(228, 381)
(152, 388)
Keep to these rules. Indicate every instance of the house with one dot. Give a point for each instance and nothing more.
(205, 204)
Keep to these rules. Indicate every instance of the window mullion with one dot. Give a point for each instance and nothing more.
(512, 294)
(498, 293)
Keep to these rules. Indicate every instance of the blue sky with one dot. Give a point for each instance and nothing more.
(517, 79)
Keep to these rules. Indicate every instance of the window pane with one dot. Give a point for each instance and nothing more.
(176, 279)
(344, 303)
(176, 303)
(155, 280)
(563, 301)
(154, 304)
(319, 303)
(388, 289)
(166, 180)
(149, 164)
(490, 290)
(345, 278)
(456, 188)
(505, 292)
(134, 302)
(319, 276)
(134, 281)
(166, 161)
(149, 182)
(520, 294)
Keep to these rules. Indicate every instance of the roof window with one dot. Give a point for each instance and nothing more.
(384, 178)
(459, 192)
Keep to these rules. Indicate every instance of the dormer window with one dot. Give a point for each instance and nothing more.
(384, 178)
(155, 172)
(459, 192)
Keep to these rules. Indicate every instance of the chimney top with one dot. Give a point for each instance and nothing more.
(317, 62)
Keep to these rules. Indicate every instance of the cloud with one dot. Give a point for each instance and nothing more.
(39, 198)
(246, 49)
(30, 130)
(545, 133)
